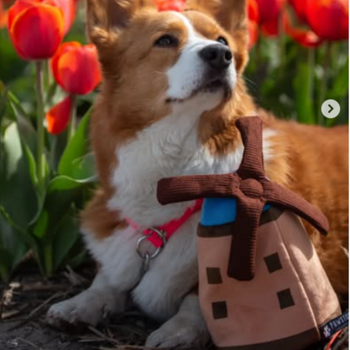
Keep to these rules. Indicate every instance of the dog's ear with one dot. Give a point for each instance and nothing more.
(232, 15)
(105, 18)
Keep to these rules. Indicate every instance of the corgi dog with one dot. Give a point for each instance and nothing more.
(172, 90)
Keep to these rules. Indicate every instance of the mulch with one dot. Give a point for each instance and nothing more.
(25, 301)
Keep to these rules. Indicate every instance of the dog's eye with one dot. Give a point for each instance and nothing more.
(222, 40)
(166, 41)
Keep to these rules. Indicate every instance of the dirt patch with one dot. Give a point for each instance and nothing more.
(26, 300)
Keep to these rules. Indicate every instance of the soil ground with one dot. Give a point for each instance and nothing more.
(24, 304)
(25, 301)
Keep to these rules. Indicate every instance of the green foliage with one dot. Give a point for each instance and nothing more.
(76, 162)
(287, 79)
(43, 222)
(12, 245)
(47, 225)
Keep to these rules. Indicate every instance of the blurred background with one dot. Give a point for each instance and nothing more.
(298, 56)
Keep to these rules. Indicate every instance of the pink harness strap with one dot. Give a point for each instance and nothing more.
(169, 228)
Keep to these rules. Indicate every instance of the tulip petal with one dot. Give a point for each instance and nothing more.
(16, 9)
(37, 31)
(58, 116)
(329, 19)
(68, 8)
(65, 47)
(253, 33)
(299, 7)
(271, 28)
(79, 70)
(269, 10)
(304, 37)
(253, 11)
(3, 16)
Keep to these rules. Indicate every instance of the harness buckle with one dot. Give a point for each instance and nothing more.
(146, 256)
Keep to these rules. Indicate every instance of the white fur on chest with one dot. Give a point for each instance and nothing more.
(168, 148)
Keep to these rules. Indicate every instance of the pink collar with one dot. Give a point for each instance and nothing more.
(169, 228)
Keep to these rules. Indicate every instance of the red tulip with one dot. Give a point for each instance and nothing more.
(171, 5)
(57, 117)
(253, 33)
(76, 68)
(301, 35)
(35, 28)
(299, 7)
(269, 14)
(269, 10)
(271, 28)
(253, 20)
(3, 16)
(253, 11)
(329, 19)
(68, 7)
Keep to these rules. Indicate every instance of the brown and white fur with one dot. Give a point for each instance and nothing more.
(156, 117)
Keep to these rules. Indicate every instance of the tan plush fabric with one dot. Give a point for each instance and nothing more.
(282, 307)
(261, 284)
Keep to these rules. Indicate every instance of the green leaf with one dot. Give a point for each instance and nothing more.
(41, 225)
(61, 194)
(84, 167)
(50, 94)
(25, 127)
(3, 100)
(17, 193)
(16, 103)
(66, 236)
(303, 87)
(64, 183)
(340, 86)
(11, 64)
(60, 201)
(77, 148)
(5, 264)
(3, 109)
(12, 247)
(31, 164)
(57, 144)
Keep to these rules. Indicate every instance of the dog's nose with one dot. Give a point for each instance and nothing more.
(217, 56)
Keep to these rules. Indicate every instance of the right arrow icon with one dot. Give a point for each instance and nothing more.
(330, 109)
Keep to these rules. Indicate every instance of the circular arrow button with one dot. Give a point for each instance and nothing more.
(330, 109)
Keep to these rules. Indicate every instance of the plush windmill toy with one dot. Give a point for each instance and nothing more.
(261, 284)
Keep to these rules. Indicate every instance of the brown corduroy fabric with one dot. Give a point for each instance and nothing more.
(252, 189)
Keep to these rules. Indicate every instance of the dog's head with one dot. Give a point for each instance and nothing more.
(152, 60)
(159, 64)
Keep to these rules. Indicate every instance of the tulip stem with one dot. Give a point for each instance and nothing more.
(46, 75)
(73, 118)
(281, 41)
(311, 82)
(40, 128)
(258, 51)
(324, 82)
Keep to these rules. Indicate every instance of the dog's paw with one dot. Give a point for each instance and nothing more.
(87, 308)
(176, 333)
